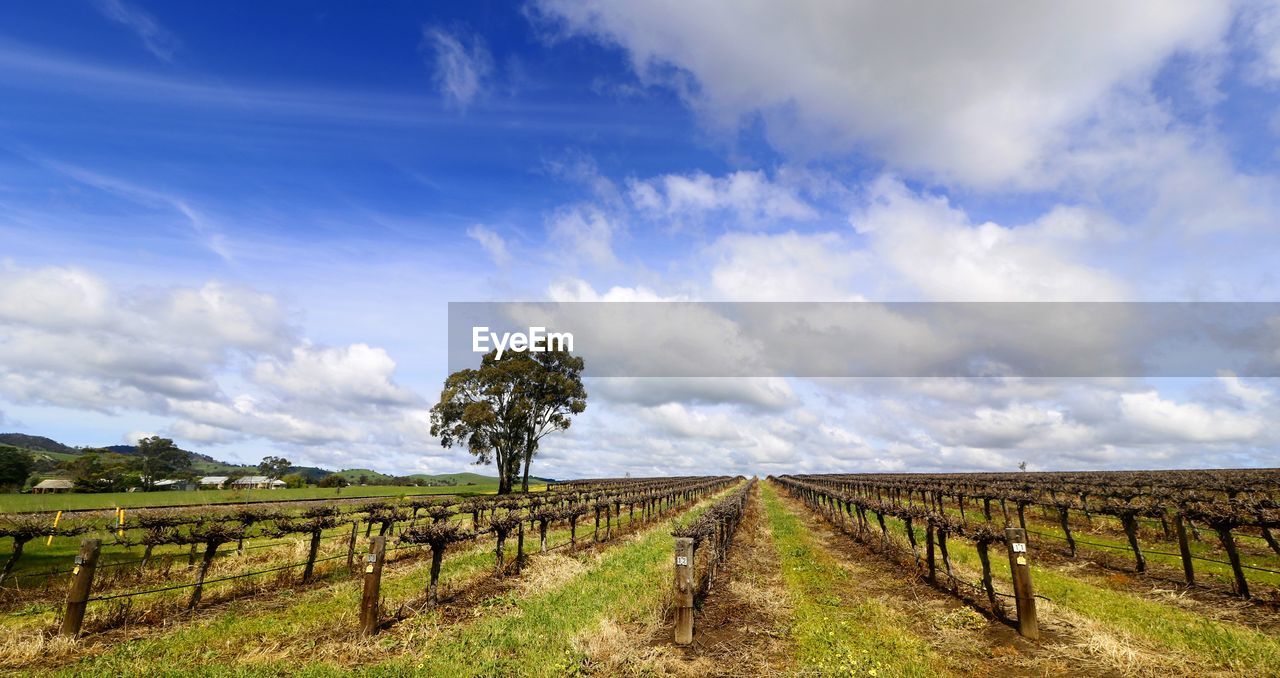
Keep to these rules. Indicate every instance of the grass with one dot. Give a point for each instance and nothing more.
(1161, 626)
(19, 503)
(316, 627)
(835, 635)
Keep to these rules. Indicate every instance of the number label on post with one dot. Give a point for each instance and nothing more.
(371, 558)
(682, 561)
(1019, 548)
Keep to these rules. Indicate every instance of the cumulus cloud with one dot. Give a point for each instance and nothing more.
(786, 267)
(975, 94)
(936, 248)
(749, 196)
(461, 65)
(358, 374)
(69, 338)
(587, 231)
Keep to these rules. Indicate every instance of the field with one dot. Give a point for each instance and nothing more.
(18, 503)
(872, 575)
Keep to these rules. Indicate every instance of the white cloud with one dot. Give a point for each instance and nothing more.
(750, 196)
(156, 38)
(976, 94)
(1172, 421)
(786, 267)
(492, 243)
(462, 64)
(587, 231)
(341, 378)
(937, 249)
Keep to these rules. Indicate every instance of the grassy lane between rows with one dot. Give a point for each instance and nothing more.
(1160, 626)
(540, 633)
(834, 635)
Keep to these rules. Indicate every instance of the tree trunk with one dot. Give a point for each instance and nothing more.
(437, 556)
(1228, 543)
(1131, 531)
(18, 545)
(310, 569)
(209, 551)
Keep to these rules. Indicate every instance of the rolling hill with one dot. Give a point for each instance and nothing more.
(49, 452)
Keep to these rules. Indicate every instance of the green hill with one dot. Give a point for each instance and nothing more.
(49, 453)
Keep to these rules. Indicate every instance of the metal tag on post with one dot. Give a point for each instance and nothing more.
(371, 558)
(682, 561)
(1019, 548)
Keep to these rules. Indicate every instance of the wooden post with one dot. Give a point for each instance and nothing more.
(81, 582)
(684, 591)
(1184, 548)
(369, 608)
(1020, 567)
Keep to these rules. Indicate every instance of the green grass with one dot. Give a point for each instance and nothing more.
(1163, 626)
(835, 635)
(220, 642)
(12, 503)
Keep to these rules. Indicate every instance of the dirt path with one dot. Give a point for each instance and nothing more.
(742, 626)
(967, 642)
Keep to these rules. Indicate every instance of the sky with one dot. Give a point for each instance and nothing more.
(239, 225)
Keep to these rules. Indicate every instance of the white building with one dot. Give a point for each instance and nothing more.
(257, 483)
(213, 482)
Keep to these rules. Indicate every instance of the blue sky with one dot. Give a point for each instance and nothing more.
(240, 225)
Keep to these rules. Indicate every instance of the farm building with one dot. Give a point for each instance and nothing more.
(53, 485)
(212, 482)
(171, 484)
(257, 483)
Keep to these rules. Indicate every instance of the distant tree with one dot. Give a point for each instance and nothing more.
(502, 410)
(332, 480)
(274, 467)
(294, 480)
(159, 458)
(99, 470)
(1022, 466)
(364, 479)
(15, 465)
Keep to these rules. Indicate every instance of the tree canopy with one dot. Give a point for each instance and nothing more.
(158, 458)
(274, 467)
(502, 410)
(15, 466)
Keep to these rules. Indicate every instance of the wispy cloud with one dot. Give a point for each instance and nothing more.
(492, 243)
(462, 64)
(156, 38)
(205, 232)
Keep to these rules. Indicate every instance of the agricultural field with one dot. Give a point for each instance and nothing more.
(30, 503)
(878, 575)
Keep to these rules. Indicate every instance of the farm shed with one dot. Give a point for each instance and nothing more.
(257, 483)
(212, 482)
(171, 484)
(53, 485)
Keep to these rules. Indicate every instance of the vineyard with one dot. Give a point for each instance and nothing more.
(1126, 573)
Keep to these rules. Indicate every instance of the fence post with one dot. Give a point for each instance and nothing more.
(81, 583)
(369, 611)
(684, 590)
(1024, 596)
